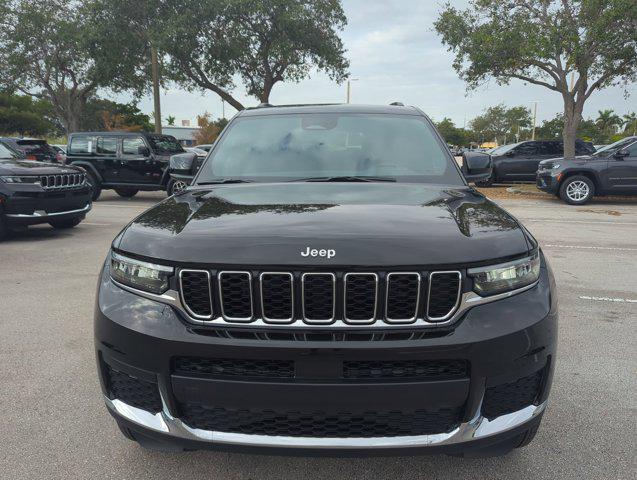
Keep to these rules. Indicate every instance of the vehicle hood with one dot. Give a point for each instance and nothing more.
(33, 167)
(577, 160)
(364, 223)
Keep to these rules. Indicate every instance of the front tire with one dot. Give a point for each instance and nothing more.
(64, 224)
(126, 192)
(488, 182)
(577, 190)
(175, 186)
(4, 229)
(95, 185)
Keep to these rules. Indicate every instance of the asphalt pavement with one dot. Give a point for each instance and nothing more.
(54, 424)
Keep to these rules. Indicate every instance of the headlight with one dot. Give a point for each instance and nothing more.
(142, 275)
(506, 276)
(19, 179)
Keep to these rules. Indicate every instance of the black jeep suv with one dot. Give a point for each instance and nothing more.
(37, 192)
(328, 283)
(612, 170)
(126, 162)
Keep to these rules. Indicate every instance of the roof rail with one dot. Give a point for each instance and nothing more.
(397, 104)
(264, 104)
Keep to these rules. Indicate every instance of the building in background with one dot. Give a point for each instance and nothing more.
(185, 135)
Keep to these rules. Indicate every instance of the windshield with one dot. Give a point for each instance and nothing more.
(6, 152)
(309, 146)
(165, 144)
(609, 150)
(502, 149)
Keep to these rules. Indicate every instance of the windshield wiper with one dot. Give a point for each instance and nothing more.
(351, 178)
(225, 180)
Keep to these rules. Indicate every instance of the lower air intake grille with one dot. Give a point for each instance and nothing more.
(133, 391)
(444, 294)
(195, 288)
(234, 367)
(318, 297)
(421, 369)
(369, 423)
(510, 397)
(236, 295)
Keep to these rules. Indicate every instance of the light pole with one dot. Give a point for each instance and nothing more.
(349, 88)
(535, 102)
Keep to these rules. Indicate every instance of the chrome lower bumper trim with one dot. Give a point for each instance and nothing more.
(478, 428)
(44, 214)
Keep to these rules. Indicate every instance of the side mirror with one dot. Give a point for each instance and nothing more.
(476, 166)
(620, 154)
(143, 151)
(510, 153)
(181, 164)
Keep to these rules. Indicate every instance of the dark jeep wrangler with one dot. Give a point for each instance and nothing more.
(328, 283)
(124, 161)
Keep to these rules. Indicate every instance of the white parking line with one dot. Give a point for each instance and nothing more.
(586, 247)
(545, 220)
(121, 206)
(97, 224)
(608, 299)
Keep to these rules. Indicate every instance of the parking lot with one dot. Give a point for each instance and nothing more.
(54, 424)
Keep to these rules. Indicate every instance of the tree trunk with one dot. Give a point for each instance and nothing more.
(572, 118)
(156, 100)
(264, 96)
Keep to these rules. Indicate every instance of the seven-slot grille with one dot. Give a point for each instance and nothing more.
(65, 180)
(356, 297)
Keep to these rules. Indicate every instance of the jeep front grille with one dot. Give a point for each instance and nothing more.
(354, 298)
(58, 181)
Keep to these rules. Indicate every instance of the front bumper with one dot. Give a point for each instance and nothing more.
(501, 342)
(32, 207)
(546, 182)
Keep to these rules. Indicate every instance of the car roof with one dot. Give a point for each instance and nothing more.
(121, 134)
(329, 108)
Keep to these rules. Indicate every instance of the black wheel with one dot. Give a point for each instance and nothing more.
(577, 190)
(68, 223)
(95, 185)
(488, 182)
(175, 186)
(4, 230)
(126, 192)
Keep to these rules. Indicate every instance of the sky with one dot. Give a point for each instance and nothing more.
(396, 55)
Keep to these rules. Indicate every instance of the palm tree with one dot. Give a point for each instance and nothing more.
(630, 123)
(608, 122)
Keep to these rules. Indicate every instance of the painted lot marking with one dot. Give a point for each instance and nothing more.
(586, 247)
(608, 299)
(97, 224)
(122, 206)
(554, 220)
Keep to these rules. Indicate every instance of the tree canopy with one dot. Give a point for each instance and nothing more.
(261, 42)
(544, 42)
(53, 50)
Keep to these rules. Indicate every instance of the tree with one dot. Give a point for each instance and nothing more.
(22, 115)
(543, 42)
(170, 120)
(208, 130)
(608, 123)
(103, 114)
(452, 134)
(501, 123)
(51, 50)
(630, 123)
(262, 42)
